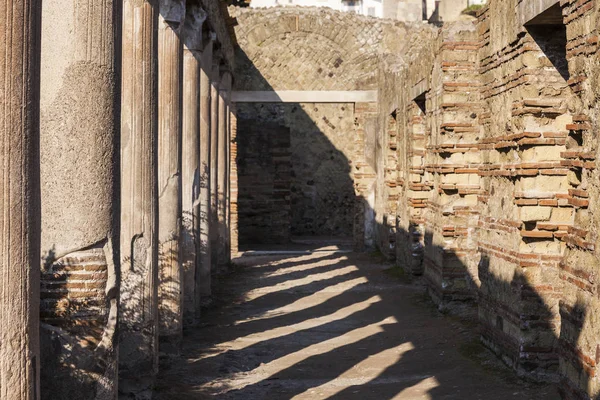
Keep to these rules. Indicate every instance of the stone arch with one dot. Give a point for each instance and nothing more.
(269, 38)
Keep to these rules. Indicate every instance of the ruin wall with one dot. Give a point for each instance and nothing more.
(313, 49)
(497, 177)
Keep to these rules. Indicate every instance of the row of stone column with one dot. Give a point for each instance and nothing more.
(136, 209)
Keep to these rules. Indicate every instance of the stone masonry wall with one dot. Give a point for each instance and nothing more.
(296, 48)
(477, 166)
(497, 180)
(320, 172)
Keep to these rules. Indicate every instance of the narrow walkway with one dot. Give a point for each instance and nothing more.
(332, 325)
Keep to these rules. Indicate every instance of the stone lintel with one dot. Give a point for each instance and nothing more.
(529, 9)
(419, 88)
(305, 96)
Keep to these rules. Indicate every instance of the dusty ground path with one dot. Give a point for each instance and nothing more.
(332, 325)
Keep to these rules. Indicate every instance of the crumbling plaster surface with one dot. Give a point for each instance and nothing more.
(79, 171)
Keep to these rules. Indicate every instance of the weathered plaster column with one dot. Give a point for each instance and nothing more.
(214, 173)
(80, 103)
(190, 169)
(223, 170)
(203, 281)
(19, 200)
(138, 348)
(170, 57)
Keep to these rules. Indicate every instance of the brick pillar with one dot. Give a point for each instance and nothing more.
(233, 182)
(138, 348)
(80, 195)
(203, 281)
(214, 149)
(418, 188)
(228, 184)
(525, 211)
(190, 158)
(364, 176)
(19, 134)
(170, 60)
(223, 174)
(452, 164)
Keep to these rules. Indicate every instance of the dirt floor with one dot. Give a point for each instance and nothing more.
(332, 325)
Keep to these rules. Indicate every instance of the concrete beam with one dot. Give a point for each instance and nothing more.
(419, 88)
(305, 96)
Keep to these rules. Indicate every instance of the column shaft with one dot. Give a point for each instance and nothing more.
(138, 351)
(80, 104)
(169, 175)
(190, 175)
(193, 41)
(19, 200)
(214, 173)
(203, 281)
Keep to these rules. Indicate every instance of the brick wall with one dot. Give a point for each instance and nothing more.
(264, 183)
(478, 164)
(234, 185)
(73, 295)
(503, 185)
(308, 48)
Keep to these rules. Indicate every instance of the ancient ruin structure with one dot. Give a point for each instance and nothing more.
(471, 152)
(102, 192)
(145, 141)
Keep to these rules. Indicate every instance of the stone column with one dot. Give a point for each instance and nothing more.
(19, 200)
(170, 57)
(203, 281)
(223, 172)
(190, 169)
(214, 173)
(138, 348)
(80, 104)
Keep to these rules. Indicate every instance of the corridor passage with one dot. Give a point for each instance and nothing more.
(332, 324)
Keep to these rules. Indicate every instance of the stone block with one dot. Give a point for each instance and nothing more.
(535, 213)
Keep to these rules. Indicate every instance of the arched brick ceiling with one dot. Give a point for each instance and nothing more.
(308, 48)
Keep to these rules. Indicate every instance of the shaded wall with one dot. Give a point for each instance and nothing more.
(321, 191)
(316, 49)
(264, 182)
(497, 180)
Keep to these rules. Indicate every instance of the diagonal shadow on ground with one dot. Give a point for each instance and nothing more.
(380, 339)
